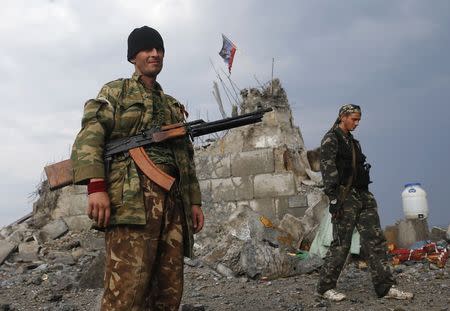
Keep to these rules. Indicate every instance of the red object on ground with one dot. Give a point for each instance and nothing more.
(431, 252)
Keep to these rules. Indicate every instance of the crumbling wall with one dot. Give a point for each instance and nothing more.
(264, 167)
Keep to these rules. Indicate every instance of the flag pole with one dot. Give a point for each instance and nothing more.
(271, 80)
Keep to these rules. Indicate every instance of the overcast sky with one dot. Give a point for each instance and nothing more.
(389, 57)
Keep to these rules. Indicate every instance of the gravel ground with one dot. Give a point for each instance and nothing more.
(55, 288)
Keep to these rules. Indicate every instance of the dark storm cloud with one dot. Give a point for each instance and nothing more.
(390, 57)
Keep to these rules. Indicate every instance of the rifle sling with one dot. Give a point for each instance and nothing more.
(150, 170)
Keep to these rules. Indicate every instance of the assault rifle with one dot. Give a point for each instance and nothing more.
(60, 174)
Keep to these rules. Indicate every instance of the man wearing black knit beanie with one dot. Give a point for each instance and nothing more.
(148, 230)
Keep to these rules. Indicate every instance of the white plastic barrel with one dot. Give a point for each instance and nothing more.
(414, 200)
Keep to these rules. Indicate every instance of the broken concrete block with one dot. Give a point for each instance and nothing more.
(61, 257)
(217, 166)
(254, 162)
(78, 223)
(16, 237)
(264, 207)
(28, 251)
(437, 234)
(292, 225)
(93, 243)
(93, 275)
(411, 231)
(5, 232)
(274, 185)
(205, 189)
(6, 248)
(53, 230)
(298, 201)
(71, 202)
(232, 189)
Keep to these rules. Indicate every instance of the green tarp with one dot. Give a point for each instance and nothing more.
(324, 236)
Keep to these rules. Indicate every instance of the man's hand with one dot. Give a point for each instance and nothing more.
(335, 209)
(197, 218)
(99, 208)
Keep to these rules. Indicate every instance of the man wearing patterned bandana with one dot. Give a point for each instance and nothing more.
(147, 230)
(346, 180)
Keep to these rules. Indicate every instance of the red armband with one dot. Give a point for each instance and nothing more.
(96, 186)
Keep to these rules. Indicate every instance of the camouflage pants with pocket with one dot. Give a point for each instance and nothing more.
(144, 264)
(360, 211)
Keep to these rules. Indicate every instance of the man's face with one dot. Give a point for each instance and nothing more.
(149, 62)
(350, 122)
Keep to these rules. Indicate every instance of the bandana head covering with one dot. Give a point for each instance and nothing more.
(348, 109)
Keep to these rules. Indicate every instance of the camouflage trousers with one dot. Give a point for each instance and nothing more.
(144, 264)
(360, 211)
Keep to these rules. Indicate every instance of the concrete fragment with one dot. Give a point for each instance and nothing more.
(232, 189)
(16, 237)
(93, 243)
(264, 207)
(411, 231)
(274, 185)
(92, 277)
(5, 232)
(71, 202)
(6, 248)
(216, 166)
(437, 234)
(53, 230)
(253, 162)
(78, 223)
(28, 251)
(292, 225)
(61, 257)
(298, 201)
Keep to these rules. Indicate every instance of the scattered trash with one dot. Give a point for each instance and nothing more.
(434, 253)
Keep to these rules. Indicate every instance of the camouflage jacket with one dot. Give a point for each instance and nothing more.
(122, 108)
(328, 161)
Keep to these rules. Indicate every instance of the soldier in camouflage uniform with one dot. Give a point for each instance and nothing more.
(148, 230)
(352, 205)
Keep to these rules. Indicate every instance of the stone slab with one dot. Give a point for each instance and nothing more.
(71, 202)
(265, 207)
(217, 166)
(92, 277)
(253, 162)
(28, 251)
(274, 185)
(78, 223)
(53, 230)
(93, 243)
(297, 201)
(6, 248)
(232, 189)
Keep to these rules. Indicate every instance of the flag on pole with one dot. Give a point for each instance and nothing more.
(227, 52)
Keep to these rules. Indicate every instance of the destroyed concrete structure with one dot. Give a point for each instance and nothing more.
(258, 171)
(262, 197)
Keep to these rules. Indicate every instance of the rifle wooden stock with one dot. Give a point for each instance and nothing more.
(59, 174)
(169, 134)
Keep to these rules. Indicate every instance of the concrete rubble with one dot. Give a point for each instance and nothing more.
(263, 202)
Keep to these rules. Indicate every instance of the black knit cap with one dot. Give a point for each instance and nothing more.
(141, 39)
